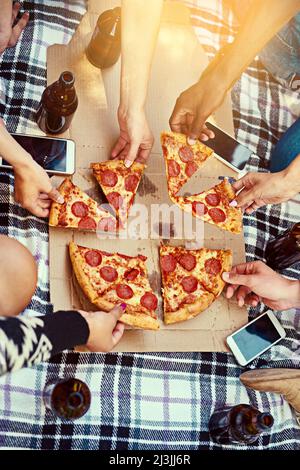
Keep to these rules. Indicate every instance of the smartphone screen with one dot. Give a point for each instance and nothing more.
(49, 153)
(256, 337)
(228, 148)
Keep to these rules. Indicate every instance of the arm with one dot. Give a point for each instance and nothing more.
(140, 25)
(254, 282)
(9, 35)
(29, 341)
(262, 22)
(33, 188)
(259, 189)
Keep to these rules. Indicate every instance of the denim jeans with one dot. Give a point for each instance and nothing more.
(281, 56)
(287, 149)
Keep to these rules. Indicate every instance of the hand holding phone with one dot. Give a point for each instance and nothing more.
(56, 156)
(257, 337)
(228, 150)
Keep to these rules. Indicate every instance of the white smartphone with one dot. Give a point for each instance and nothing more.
(56, 156)
(255, 338)
(229, 150)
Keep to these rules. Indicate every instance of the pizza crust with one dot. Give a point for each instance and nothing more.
(189, 311)
(130, 317)
(56, 208)
(81, 277)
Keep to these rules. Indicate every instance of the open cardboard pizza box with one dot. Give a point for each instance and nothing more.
(178, 62)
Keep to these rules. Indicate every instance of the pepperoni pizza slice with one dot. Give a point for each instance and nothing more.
(119, 184)
(191, 280)
(213, 206)
(182, 160)
(107, 279)
(79, 211)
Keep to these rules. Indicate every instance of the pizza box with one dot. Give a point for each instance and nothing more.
(178, 62)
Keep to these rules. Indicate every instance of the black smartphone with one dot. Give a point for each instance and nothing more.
(56, 156)
(228, 150)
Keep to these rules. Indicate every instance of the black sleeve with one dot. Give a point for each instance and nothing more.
(28, 341)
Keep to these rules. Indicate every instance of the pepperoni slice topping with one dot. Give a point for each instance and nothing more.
(131, 274)
(173, 168)
(108, 273)
(93, 258)
(186, 154)
(217, 214)
(189, 284)
(87, 223)
(107, 224)
(213, 266)
(149, 301)
(187, 261)
(131, 183)
(199, 208)
(80, 209)
(213, 199)
(168, 263)
(190, 168)
(109, 178)
(124, 291)
(115, 199)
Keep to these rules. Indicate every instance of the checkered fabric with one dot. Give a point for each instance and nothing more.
(148, 401)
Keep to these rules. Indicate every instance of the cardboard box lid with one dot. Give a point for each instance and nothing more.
(178, 62)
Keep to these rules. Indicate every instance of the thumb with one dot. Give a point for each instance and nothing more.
(239, 279)
(132, 154)
(118, 311)
(197, 126)
(56, 196)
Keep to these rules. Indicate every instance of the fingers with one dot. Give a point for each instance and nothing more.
(240, 183)
(55, 196)
(132, 154)
(241, 295)
(235, 278)
(17, 30)
(117, 333)
(44, 203)
(178, 118)
(143, 155)
(118, 147)
(197, 127)
(117, 312)
(15, 12)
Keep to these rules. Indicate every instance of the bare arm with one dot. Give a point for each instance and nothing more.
(140, 26)
(264, 19)
(262, 22)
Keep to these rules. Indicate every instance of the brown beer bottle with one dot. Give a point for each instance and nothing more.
(284, 251)
(58, 105)
(67, 398)
(241, 424)
(104, 48)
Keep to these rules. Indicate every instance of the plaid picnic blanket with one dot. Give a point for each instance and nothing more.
(144, 401)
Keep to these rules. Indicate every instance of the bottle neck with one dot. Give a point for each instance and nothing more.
(67, 80)
(259, 423)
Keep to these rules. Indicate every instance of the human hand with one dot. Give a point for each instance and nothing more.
(105, 328)
(33, 188)
(196, 104)
(9, 31)
(255, 281)
(136, 139)
(259, 189)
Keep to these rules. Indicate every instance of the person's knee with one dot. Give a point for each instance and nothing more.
(18, 276)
